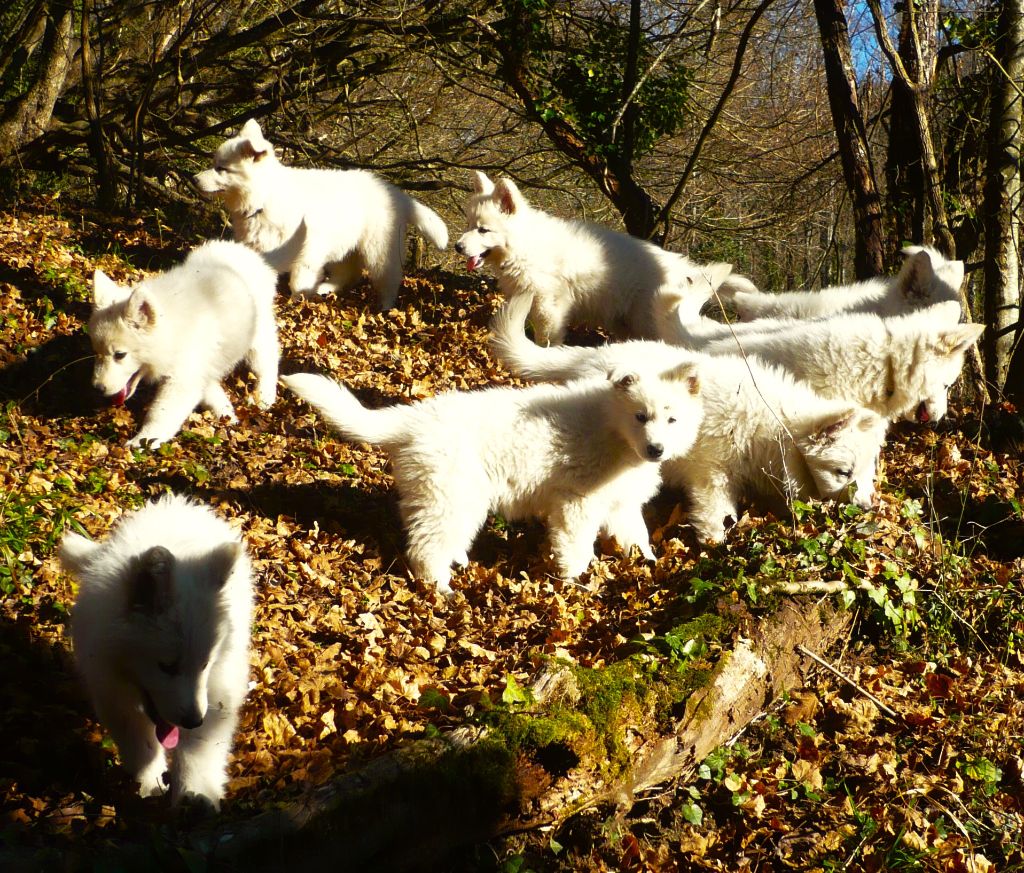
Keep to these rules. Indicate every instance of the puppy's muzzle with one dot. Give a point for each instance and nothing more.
(655, 451)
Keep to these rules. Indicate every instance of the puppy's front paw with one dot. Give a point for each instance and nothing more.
(143, 441)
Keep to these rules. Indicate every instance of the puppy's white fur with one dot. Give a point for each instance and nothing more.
(926, 277)
(186, 329)
(579, 273)
(352, 218)
(583, 457)
(160, 631)
(901, 367)
(763, 433)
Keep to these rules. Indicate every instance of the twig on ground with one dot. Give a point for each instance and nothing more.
(819, 660)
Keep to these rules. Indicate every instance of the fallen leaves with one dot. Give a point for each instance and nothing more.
(351, 657)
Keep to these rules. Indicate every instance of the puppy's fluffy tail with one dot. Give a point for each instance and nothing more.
(429, 224)
(344, 412)
(509, 342)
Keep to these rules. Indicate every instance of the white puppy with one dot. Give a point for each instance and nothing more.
(926, 277)
(353, 218)
(900, 367)
(580, 273)
(186, 329)
(763, 433)
(161, 635)
(584, 457)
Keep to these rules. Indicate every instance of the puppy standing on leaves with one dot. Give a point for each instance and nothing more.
(160, 631)
(584, 457)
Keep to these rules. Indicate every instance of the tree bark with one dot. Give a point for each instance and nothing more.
(28, 116)
(852, 138)
(105, 189)
(1003, 202)
(905, 176)
(916, 91)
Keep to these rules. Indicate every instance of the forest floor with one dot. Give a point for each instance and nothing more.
(352, 659)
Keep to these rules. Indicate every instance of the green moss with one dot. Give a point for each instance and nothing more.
(636, 694)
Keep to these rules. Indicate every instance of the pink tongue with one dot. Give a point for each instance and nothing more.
(167, 734)
(120, 397)
(474, 262)
(922, 413)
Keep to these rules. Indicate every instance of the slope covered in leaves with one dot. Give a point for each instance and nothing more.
(350, 657)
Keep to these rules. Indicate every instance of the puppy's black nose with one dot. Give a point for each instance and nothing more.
(191, 720)
(655, 451)
(460, 248)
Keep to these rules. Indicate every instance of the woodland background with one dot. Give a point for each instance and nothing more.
(804, 142)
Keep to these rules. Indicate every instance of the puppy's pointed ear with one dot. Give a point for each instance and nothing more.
(141, 311)
(717, 273)
(75, 552)
(251, 130)
(510, 200)
(623, 379)
(916, 274)
(220, 562)
(105, 291)
(828, 429)
(254, 145)
(957, 340)
(688, 373)
(482, 183)
(151, 581)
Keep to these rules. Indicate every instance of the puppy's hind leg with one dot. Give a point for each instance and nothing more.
(440, 535)
(384, 262)
(264, 358)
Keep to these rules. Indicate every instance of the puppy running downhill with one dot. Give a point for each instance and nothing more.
(352, 219)
(186, 329)
(584, 457)
(161, 635)
(581, 273)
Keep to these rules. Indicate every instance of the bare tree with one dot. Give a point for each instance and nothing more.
(1003, 208)
(852, 136)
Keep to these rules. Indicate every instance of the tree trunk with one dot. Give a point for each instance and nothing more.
(1003, 202)
(851, 134)
(916, 90)
(105, 191)
(906, 183)
(28, 116)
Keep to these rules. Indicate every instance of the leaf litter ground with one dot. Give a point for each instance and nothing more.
(347, 649)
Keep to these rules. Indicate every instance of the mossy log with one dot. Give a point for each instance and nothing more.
(410, 808)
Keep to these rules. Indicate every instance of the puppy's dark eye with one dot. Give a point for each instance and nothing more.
(643, 417)
(170, 669)
(671, 421)
(843, 473)
(120, 356)
(483, 229)
(221, 169)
